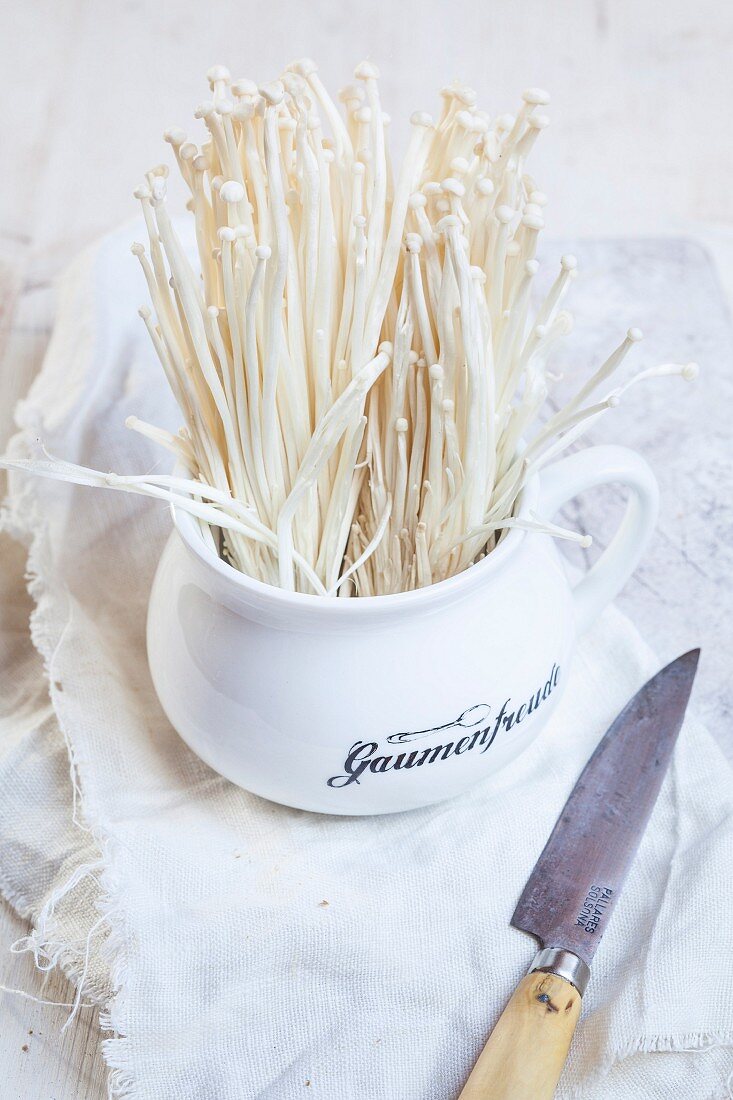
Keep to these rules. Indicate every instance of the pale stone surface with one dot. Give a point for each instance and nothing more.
(639, 111)
(681, 595)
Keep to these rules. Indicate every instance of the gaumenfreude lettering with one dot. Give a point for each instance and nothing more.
(364, 757)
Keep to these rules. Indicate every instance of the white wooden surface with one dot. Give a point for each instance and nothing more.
(37, 1060)
(638, 145)
(641, 92)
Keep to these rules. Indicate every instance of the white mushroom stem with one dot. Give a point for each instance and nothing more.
(362, 380)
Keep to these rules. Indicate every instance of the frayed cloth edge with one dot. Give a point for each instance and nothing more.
(686, 1043)
(20, 519)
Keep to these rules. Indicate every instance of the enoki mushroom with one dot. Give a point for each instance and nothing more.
(363, 383)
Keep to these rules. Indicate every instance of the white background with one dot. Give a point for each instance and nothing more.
(641, 95)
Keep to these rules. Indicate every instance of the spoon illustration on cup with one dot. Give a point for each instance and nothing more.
(471, 717)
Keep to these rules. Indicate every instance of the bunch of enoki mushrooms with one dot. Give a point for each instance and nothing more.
(362, 378)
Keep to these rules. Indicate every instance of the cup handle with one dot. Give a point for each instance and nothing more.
(585, 470)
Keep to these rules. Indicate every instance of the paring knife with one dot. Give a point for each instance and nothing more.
(575, 885)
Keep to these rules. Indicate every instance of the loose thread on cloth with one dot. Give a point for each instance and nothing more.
(122, 1082)
(55, 686)
(38, 940)
(42, 1001)
(48, 952)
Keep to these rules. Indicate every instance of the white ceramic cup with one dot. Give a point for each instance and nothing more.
(384, 703)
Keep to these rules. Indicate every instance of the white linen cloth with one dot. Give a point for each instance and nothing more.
(244, 950)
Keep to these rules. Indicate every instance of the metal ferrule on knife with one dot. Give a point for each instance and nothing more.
(555, 960)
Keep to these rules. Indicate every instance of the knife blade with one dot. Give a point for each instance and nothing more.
(575, 886)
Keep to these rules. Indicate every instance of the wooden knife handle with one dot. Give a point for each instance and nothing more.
(525, 1053)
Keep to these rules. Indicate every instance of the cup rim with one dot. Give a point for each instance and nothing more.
(361, 606)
